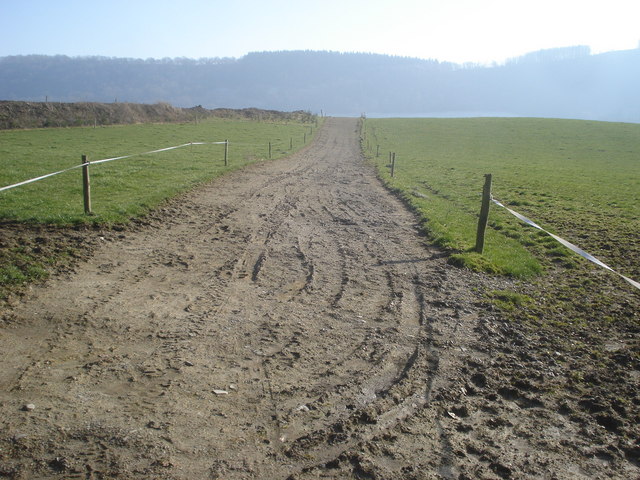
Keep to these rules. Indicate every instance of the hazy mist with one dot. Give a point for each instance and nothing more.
(565, 82)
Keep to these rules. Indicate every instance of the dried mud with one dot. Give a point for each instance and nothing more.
(287, 322)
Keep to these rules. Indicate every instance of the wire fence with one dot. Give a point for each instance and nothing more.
(566, 243)
(105, 160)
(483, 218)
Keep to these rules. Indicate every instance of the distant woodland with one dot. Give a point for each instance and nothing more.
(564, 82)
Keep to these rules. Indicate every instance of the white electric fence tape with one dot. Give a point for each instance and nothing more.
(567, 244)
(95, 162)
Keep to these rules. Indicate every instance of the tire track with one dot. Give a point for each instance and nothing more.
(278, 321)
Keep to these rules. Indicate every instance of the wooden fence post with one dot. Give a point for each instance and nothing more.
(484, 213)
(377, 151)
(86, 186)
(269, 150)
(291, 144)
(226, 152)
(393, 165)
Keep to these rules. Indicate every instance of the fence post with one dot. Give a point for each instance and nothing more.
(393, 165)
(291, 144)
(484, 213)
(226, 152)
(305, 137)
(377, 151)
(86, 185)
(269, 150)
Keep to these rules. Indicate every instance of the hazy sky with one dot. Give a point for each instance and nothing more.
(459, 31)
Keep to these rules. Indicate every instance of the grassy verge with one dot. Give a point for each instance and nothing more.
(121, 190)
(578, 179)
(126, 188)
(571, 335)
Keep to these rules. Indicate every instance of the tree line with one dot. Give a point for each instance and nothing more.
(566, 82)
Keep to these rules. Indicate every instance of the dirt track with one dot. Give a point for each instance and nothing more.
(286, 321)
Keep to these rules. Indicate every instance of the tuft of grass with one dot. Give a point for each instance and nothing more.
(474, 262)
(508, 300)
(18, 268)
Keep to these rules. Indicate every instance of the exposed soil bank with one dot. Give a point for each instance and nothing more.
(55, 114)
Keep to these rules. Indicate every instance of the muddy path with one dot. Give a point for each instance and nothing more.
(285, 321)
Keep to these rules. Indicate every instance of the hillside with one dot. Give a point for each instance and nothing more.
(566, 82)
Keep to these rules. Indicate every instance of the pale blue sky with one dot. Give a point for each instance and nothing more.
(459, 31)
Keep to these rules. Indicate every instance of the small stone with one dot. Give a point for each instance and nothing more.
(452, 415)
(302, 408)
(233, 387)
(221, 392)
(188, 363)
(154, 425)
(29, 407)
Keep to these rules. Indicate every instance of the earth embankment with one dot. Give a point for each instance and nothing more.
(16, 114)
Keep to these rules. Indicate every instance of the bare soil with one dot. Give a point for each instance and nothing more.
(288, 321)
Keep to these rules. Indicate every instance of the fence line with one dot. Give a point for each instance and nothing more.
(526, 220)
(105, 160)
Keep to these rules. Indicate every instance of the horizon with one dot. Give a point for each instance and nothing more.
(459, 32)
(590, 53)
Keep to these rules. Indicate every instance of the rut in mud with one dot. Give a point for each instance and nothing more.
(285, 321)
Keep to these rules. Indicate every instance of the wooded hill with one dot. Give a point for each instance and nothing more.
(565, 82)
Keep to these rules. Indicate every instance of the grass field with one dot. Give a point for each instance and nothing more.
(578, 179)
(121, 189)
(125, 188)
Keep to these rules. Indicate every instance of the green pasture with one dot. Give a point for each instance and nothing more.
(125, 188)
(577, 179)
